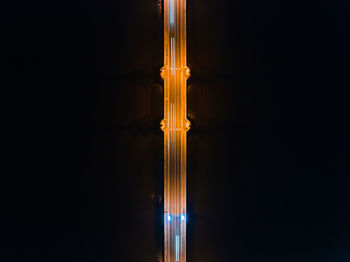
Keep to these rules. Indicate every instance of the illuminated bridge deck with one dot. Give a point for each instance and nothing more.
(175, 126)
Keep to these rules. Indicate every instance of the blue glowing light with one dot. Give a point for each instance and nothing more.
(169, 217)
(183, 217)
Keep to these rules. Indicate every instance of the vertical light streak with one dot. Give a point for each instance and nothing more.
(172, 10)
(175, 126)
(177, 243)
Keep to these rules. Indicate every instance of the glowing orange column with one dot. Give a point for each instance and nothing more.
(175, 126)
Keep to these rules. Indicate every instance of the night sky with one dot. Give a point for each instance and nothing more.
(268, 152)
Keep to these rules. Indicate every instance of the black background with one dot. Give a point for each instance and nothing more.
(268, 152)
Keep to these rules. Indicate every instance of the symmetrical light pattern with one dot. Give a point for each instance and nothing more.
(175, 126)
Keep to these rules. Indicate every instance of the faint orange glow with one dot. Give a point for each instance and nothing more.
(175, 126)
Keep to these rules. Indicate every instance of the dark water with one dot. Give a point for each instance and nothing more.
(268, 171)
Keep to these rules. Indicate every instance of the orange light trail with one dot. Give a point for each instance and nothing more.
(175, 126)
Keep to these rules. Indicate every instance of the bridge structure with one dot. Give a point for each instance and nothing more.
(175, 126)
